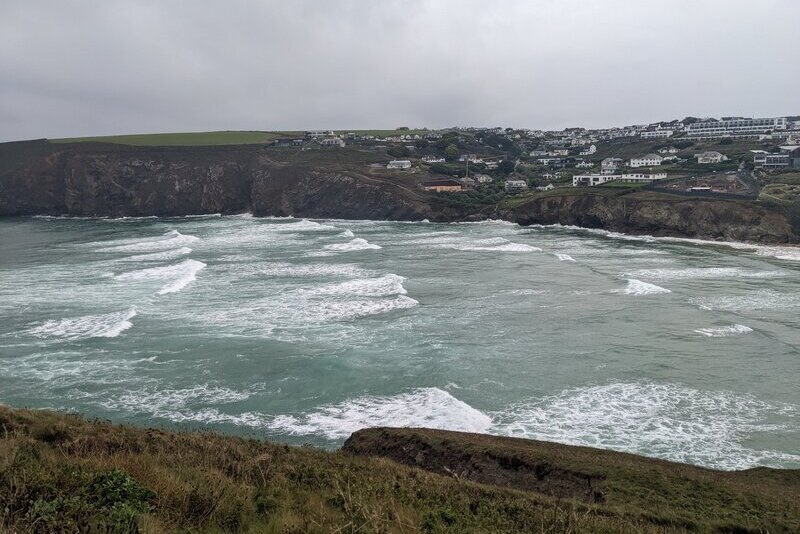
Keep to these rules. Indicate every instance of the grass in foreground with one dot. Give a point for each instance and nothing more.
(61, 473)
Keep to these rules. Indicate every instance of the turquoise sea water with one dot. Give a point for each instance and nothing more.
(304, 331)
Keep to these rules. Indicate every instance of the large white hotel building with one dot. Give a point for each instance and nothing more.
(735, 127)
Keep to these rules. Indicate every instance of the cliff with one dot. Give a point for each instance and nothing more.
(92, 179)
(115, 181)
(658, 214)
(62, 473)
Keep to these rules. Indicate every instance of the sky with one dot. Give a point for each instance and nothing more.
(102, 67)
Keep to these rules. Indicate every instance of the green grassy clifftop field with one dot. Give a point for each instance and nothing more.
(62, 473)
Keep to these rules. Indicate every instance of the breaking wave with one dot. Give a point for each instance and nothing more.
(425, 407)
(725, 331)
(170, 240)
(637, 287)
(104, 325)
(702, 273)
(353, 245)
(178, 275)
(666, 421)
(564, 257)
(161, 256)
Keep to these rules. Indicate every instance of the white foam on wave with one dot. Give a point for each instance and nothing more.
(347, 233)
(702, 273)
(295, 225)
(178, 405)
(725, 331)
(785, 252)
(353, 245)
(179, 275)
(161, 256)
(637, 287)
(170, 240)
(300, 270)
(389, 284)
(88, 326)
(564, 257)
(754, 300)
(468, 244)
(666, 421)
(425, 407)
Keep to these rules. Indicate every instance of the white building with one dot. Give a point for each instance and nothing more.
(433, 159)
(399, 164)
(650, 160)
(592, 180)
(483, 178)
(735, 127)
(668, 150)
(332, 141)
(657, 134)
(548, 187)
(584, 165)
(610, 165)
(710, 157)
(591, 149)
(516, 186)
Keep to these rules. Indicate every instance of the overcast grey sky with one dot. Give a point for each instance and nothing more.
(71, 68)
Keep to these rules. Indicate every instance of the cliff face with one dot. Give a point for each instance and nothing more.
(139, 182)
(659, 215)
(115, 181)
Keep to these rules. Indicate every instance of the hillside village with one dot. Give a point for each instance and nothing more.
(727, 156)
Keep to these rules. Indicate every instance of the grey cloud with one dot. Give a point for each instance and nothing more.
(105, 67)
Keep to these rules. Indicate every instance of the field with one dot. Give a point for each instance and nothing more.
(182, 139)
(63, 473)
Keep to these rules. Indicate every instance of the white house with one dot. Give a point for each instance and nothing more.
(597, 179)
(433, 159)
(483, 178)
(610, 165)
(650, 160)
(516, 186)
(710, 156)
(584, 164)
(547, 187)
(589, 151)
(668, 150)
(332, 141)
(399, 164)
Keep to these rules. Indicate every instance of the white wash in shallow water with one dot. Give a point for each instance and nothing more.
(305, 330)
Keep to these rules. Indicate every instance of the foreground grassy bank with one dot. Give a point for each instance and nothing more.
(63, 473)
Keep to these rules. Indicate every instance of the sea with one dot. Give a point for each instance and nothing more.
(303, 331)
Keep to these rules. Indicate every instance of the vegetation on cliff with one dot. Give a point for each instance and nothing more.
(63, 473)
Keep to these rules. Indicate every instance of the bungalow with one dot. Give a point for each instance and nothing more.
(547, 187)
(399, 164)
(589, 151)
(516, 186)
(442, 186)
(710, 156)
(650, 160)
(668, 150)
(433, 159)
(584, 164)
